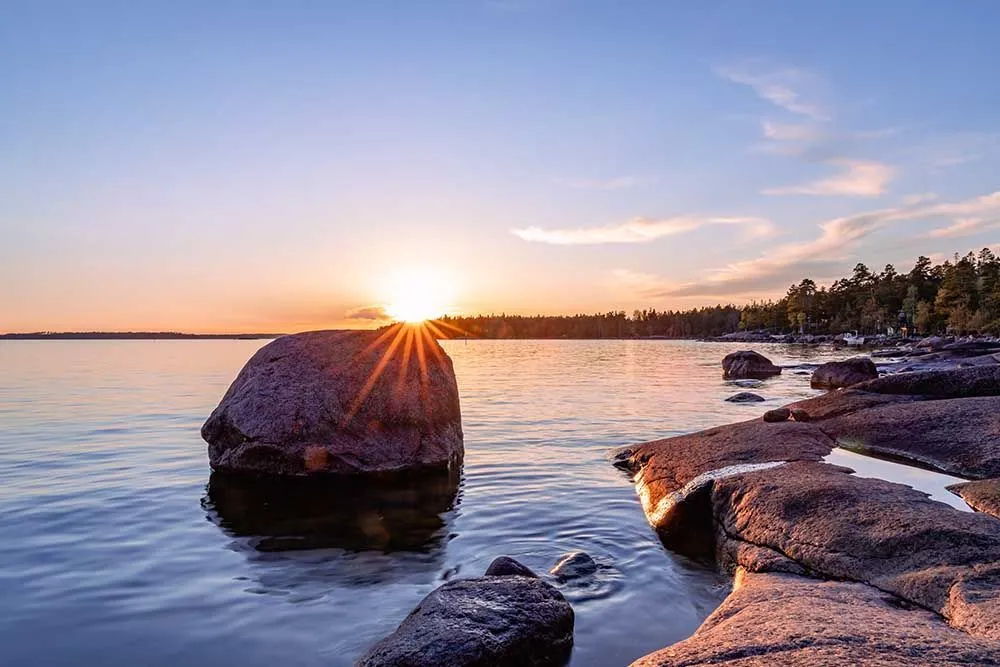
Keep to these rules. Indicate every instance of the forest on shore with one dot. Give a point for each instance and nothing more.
(959, 296)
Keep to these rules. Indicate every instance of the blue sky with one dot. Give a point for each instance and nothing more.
(236, 165)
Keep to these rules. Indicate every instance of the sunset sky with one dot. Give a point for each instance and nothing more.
(239, 166)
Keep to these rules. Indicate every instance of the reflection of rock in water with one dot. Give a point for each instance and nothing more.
(385, 513)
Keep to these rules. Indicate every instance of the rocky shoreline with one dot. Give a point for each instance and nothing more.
(829, 567)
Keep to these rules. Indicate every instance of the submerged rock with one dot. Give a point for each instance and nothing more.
(748, 364)
(773, 619)
(777, 415)
(339, 402)
(502, 621)
(574, 565)
(745, 397)
(836, 374)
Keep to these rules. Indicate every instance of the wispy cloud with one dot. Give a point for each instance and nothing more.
(823, 255)
(857, 178)
(964, 227)
(785, 87)
(639, 230)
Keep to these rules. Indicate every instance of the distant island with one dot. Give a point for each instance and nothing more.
(131, 335)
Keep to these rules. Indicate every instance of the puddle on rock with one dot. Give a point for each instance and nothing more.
(930, 482)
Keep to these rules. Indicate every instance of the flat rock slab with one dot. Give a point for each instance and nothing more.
(780, 619)
(491, 621)
(959, 435)
(982, 495)
(340, 402)
(841, 526)
(950, 383)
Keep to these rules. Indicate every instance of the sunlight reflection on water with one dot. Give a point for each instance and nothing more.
(111, 557)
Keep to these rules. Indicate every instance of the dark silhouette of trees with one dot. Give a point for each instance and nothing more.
(960, 296)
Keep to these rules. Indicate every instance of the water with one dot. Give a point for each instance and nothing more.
(114, 552)
(933, 483)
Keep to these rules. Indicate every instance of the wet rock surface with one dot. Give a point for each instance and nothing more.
(748, 364)
(745, 397)
(782, 619)
(339, 402)
(981, 495)
(504, 621)
(836, 374)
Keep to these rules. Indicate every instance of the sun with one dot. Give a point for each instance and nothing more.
(417, 295)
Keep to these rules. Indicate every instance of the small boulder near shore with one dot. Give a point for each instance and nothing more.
(504, 620)
(340, 402)
(777, 415)
(748, 364)
(836, 374)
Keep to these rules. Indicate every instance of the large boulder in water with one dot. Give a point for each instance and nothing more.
(748, 364)
(340, 402)
(503, 620)
(836, 374)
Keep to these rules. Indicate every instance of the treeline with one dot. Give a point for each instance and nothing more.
(960, 296)
(708, 321)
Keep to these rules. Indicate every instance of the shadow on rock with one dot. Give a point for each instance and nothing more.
(358, 513)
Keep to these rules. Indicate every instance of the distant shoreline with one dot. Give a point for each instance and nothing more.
(134, 335)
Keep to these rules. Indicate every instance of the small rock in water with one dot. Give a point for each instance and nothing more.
(748, 384)
(502, 621)
(748, 364)
(777, 415)
(505, 566)
(745, 397)
(574, 565)
(800, 415)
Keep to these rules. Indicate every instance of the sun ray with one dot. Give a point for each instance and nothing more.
(375, 374)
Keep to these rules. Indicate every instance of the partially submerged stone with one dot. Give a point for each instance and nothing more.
(748, 364)
(505, 566)
(781, 619)
(836, 374)
(340, 402)
(574, 565)
(502, 621)
(745, 397)
(982, 495)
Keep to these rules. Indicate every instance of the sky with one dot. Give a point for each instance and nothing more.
(264, 166)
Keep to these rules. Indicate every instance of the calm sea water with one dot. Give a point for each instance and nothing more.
(116, 551)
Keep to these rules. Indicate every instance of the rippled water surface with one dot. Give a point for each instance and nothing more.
(117, 550)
